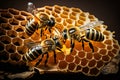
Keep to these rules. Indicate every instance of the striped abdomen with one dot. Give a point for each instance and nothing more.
(94, 35)
(33, 53)
(31, 26)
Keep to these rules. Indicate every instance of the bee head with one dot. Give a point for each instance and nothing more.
(51, 22)
(57, 41)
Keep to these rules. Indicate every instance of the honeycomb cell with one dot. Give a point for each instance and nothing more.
(110, 53)
(92, 63)
(108, 42)
(60, 56)
(23, 35)
(74, 52)
(89, 55)
(3, 20)
(85, 70)
(103, 52)
(25, 13)
(17, 41)
(114, 51)
(5, 39)
(78, 68)
(19, 17)
(77, 10)
(4, 55)
(106, 58)
(62, 64)
(6, 26)
(63, 16)
(99, 64)
(12, 33)
(48, 8)
(69, 21)
(11, 48)
(92, 17)
(81, 54)
(69, 58)
(82, 18)
(84, 62)
(15, 57)
(97, 56)
(6, 15)
(71, 66)
(2, 46)
(94, 71)
(13, 22)
(77, 60)
(23, 23)
(116, 46)
(106, 33)
(13, 11)
(109, 47)
(19, 28)
(22, 49)
(66, 9)
(2, 32)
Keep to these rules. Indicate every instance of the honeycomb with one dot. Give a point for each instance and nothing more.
(13, 39)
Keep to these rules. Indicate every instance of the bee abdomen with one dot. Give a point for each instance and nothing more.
(32, 54)
(94, 35)
(31, 27)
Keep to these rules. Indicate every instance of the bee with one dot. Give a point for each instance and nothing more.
(83, 34)
(40, 21)
(46, 46)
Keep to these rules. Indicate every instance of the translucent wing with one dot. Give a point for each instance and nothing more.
(91, 25)
(31, 7)
(32, 44)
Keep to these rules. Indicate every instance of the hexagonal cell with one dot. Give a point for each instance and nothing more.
(19, 17)
(60, 56)
(92, 63)
(106, 58)
(99, 64)
(81, 54)
(10, 48)
(94, 71)
(5, 39)
(13, 11)
(103, 52)
(17, 41)
(12, 33)
(78, 68)
(4, 55)
(3, 20)
(62, 64)
(77, 60)
(89, 55)
(2, 46)
(85, 70)
(84, 62)
(116, 46)
(97, 56)
(71, 66)
(19, 28)
(77, 10)
(22, 49)
(6, 26)
(111, 54)
(23, 35)
(25, 13)
(69, 58)
(23, 23)
(2, 32)
(15, 57)
(6, 15)
(108, 42)
(13, 22)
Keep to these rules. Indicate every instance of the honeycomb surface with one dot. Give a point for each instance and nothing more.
(13, 39)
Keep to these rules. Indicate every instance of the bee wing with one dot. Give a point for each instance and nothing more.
(30, 7)
(91, 25)
(32, 44)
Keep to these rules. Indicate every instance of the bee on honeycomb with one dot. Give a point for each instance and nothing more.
(91, 63)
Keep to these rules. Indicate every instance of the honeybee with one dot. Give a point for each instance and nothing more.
(39, 21)
(83, 34)
(46, 46)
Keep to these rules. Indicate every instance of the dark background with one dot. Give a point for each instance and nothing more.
(105, 10)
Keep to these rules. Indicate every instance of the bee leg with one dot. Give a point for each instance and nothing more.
(41, 32)
(90, 44)
(83, 44)
(46, 58)
(54, 56)
(72, 44)
(60, 50)
(39, 60)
